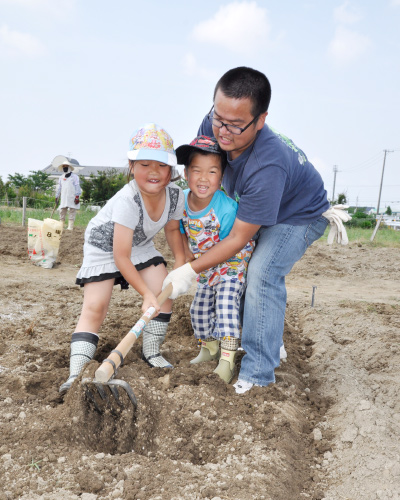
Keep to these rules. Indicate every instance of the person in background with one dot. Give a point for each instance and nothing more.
(68, 190)
(207, 219)
(119, 248)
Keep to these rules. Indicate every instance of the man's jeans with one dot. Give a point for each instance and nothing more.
(278, 249)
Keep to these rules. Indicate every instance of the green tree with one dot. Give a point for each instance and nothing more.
(2, 188)
(41, 182)
(360, 215)
(388, 211)
(103, 187)
(18, 180)
(182, 183)
(342, 199)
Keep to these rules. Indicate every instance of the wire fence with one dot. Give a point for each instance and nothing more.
(18, 210)
(35, 203)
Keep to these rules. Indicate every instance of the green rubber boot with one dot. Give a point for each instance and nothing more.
(226, 365)
(208, 352)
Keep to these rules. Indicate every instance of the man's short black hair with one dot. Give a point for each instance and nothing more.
(243, 82)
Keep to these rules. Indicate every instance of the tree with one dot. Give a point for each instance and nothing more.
(182, 183)
(388, 211)
(18, 180)
(41, 182)
(341, 199)
(103, 187)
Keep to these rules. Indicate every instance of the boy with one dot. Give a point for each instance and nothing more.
(207, 219)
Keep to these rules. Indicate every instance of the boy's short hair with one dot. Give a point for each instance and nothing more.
(203, 145)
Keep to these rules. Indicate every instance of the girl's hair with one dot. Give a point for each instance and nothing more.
(175, 175)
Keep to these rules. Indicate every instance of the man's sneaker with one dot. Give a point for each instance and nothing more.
(282, 352)
(242, 386)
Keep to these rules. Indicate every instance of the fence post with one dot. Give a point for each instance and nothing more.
(24, 210)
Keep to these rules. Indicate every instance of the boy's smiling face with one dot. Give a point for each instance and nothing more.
(204, 175)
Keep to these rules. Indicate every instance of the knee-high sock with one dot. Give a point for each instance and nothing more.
(83, 347)
(153, 336)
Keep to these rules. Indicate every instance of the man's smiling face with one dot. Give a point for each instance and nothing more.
(235, 112)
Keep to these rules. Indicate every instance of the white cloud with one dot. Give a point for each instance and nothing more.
(238, 26)
(346, 14)
(192, 68)
(348, 45)
(16, 43)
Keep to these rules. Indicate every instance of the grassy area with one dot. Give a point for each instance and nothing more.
(13, 215)
(385, 237)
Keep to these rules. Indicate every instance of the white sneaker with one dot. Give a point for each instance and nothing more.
(282, 352)
(242, 386)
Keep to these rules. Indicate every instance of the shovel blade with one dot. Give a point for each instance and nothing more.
(109, 395)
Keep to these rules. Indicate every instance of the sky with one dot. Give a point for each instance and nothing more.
(78, 77)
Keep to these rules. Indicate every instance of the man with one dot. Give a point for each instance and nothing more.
(281, 201)
(68, 189)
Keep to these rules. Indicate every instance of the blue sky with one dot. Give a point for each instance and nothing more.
(79, 76)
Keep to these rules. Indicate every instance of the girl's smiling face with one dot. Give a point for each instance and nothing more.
(151, 176)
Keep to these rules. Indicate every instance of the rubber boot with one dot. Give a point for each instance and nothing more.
(208, 352)
(153, 336)
(83, 347)
(70, 225)
(226, 365)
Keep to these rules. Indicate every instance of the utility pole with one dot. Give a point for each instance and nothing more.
(335, 171)
(383, 170)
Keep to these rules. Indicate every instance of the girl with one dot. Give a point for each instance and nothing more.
(119, 247)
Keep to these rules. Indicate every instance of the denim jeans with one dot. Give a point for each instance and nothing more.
(278, 248)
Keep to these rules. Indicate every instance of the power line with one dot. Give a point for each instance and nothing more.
(364, 164)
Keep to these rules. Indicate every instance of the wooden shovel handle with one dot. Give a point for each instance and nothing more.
(106, 369)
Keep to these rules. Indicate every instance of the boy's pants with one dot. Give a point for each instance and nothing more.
(215, 310)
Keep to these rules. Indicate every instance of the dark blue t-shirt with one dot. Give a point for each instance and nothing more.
(273, 181)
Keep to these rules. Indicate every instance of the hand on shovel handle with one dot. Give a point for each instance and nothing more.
(110, 365)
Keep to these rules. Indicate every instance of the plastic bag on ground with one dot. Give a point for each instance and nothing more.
(44, 241)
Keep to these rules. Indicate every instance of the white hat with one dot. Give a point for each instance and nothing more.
(152, 142)
(59, 161)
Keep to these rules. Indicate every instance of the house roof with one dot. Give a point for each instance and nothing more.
(83, 170)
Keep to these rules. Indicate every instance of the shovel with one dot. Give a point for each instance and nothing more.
(103, 391)
(54, 209)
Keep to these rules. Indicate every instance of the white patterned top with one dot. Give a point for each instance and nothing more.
(126, 208)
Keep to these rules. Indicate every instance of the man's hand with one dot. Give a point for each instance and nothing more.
(181, 280)
(76, 201)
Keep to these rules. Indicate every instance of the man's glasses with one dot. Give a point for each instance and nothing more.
(233, 129)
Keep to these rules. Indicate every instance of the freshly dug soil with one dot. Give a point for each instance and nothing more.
(327, 429)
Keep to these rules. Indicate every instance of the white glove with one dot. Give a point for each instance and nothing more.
(336, 216)
(181, 280)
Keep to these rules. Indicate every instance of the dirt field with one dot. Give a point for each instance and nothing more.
(328, 429)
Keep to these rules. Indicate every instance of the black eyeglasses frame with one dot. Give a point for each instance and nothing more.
(228, 125)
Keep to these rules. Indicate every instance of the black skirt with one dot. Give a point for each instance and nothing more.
(118, 278)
